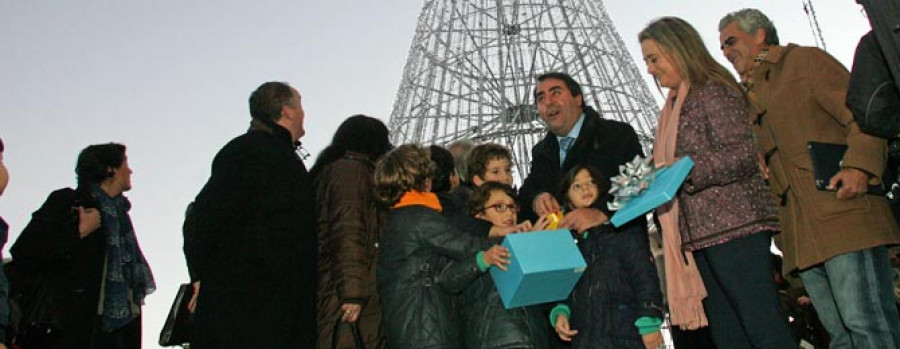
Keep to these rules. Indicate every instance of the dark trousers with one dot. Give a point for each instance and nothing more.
(742, 306)
(692, 339)
(127, 337)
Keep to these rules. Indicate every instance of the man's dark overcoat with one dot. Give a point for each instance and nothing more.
(254, 248)
(603, 144)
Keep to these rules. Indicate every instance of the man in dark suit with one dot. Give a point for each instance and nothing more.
(585, 138)
(577, 136)
(253, 250)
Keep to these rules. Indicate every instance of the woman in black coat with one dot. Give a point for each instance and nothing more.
(81, 245)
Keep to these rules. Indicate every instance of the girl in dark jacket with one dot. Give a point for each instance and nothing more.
(487, 323)
(616, 302)
(423, 260)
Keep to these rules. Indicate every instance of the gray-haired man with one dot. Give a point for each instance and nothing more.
(836, 241)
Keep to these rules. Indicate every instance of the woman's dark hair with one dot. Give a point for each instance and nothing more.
(443, 162)
(1, 145)
(359, 134)
(95, 161)
(602, 186)
(482, 193)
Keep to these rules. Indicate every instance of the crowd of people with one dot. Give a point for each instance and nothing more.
(384, 247)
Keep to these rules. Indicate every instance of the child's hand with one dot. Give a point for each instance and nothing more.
(541, 223)
(497, 256)
(563, 330)
(499, 232)
(652, 340)
(523, 227)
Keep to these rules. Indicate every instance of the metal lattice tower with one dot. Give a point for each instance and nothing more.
(472, 66)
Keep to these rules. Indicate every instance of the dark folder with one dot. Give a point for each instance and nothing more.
(179, 324)
(826, 161)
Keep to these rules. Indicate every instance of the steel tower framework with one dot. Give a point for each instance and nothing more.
(472, 66)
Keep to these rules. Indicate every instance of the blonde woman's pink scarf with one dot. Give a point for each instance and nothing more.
(684, 287)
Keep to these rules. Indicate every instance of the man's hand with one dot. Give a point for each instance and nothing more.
(652, 340)
(853, 183)
(583, 219)
(497, 256)
(350, 312)
(544, 203)
(192, 304)
(88, 221)
(523, 227)
(562, 328)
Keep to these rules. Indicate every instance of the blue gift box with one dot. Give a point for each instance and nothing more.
(544, 267)
(663, 189)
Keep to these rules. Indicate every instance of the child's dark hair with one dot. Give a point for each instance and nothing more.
(481, 155)
(481, 195)
(405, 168)
(443, 161)
(602, 186)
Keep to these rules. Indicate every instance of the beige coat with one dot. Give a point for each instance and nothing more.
(800, 93)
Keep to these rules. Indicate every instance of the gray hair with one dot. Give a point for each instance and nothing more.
(750, 20)
(461, 160)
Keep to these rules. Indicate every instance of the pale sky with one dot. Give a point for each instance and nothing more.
(170, 79)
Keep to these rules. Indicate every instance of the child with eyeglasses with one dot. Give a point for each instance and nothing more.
(423, 260)
(616, 304)
(487, 323)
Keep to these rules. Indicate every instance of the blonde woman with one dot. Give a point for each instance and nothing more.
(718, 231)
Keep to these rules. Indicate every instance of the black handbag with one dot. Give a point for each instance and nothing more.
(354, 330)
(179, 326)
(41, 311)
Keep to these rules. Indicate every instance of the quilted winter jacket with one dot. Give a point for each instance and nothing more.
(489, 325)
(619, 286)
(724, 197)
(423, 263)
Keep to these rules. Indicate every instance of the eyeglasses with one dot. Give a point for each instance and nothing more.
(503, 207)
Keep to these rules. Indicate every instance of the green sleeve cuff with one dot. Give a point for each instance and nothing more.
(647, 325)
(559, 309)
(479, 258)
